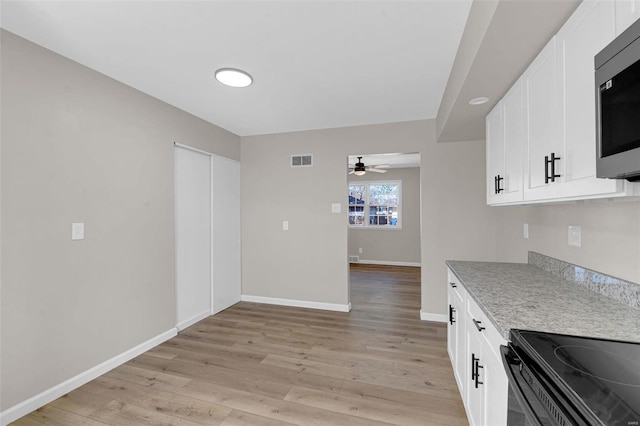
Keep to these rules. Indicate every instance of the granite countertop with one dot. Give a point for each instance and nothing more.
(523, 296)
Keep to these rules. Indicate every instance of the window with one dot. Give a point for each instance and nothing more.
(375, 204)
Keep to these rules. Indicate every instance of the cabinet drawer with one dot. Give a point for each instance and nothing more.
(478, 322)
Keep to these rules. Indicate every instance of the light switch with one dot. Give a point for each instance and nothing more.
(285, 225)
(575, 236)
(336, 208)
(525, 231)
(77, 231)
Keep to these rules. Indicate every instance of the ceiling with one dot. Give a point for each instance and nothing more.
(394, 160)
(500, 40)
(315, 64)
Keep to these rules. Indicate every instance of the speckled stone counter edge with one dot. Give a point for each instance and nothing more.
(622, 291)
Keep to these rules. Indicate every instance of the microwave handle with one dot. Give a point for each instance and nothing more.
(509, 365)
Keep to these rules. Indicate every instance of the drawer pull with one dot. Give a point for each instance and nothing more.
(477, 324)
(453, 285)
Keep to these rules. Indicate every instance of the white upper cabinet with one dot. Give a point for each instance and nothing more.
(495, 152)
(513, 111)
(542, 126)
(504, 149)
(558, 115)
(589, 29)
(627, 12)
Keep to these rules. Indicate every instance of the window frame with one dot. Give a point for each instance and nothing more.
(366, 206)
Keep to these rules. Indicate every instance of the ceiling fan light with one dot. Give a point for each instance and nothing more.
(359, 172)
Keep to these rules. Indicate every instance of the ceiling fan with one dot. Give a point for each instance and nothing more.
(359, 168)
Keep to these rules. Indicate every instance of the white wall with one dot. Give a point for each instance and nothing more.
(392, 245)
(80, 147)
(610, 235)
(309, 262)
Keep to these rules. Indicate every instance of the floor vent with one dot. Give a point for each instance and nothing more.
(354, 259)
(302, 160)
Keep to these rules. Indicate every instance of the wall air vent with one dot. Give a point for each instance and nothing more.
(354, 259)
(302, 160)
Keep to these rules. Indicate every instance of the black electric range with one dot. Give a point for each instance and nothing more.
(571, 380)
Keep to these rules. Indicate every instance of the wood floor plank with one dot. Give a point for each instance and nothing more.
(50, 415)
(145, 377)
(375, 410)
(122, 413)
(81, 402)
(240, 418)
(258, 364)
(148, 397)
(273, 408)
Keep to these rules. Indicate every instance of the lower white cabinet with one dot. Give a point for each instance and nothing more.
(456, 335)
(474, 348)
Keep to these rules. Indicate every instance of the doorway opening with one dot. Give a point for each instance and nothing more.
(384, 214)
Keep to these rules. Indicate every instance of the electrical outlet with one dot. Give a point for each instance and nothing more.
(575, 236)
(360, 250)
(77, 231)
(285, 225)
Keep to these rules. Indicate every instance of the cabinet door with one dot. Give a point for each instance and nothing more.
(587, 31)
(513, 117)
(455, 332)
(475, 394)
(495, 152)
(542, 123)
(451, 328)
(496, 403)
(504, 148)
(460, 356)
(627, 12)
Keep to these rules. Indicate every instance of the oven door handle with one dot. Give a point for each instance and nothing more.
(514, 384)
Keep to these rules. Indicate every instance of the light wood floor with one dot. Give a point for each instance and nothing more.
(271, 365)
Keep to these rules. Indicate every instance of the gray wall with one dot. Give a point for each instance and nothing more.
(309, 262)
(610, 235)
(384, 245)
(80, 147)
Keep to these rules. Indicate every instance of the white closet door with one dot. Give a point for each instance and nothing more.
(192, 185)
(226, 233)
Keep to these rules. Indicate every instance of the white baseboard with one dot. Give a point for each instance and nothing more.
(43, 398)
(427, 316)
(296, 303)
(387, 262)
(194, 319)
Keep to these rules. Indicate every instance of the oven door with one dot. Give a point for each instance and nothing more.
(524, 406)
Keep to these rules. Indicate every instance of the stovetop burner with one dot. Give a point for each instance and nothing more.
(599, 377)
(578, 358)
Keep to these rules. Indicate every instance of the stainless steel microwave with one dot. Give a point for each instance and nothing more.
(617, 76)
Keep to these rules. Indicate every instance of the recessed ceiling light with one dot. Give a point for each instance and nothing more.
(479, 101)
(233, 77)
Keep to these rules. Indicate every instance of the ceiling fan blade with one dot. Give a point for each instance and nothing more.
(372, 169)
(351, 172)
(381, 166)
